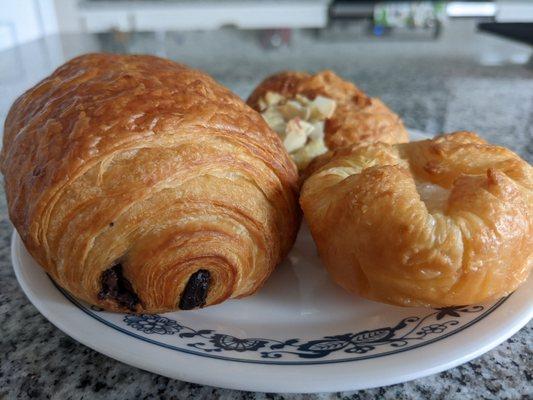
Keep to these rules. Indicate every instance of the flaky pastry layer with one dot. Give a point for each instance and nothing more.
(129, 176)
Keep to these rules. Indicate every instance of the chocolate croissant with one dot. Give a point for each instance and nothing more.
(144, 185)
(317, 113)
(439, 222)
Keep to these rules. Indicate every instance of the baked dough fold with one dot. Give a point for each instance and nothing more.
(439, 222)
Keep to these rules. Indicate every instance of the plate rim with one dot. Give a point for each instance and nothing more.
(316, 377)
(489, 310)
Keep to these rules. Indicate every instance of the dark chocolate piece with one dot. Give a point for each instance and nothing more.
(116, 287)
(195, 291)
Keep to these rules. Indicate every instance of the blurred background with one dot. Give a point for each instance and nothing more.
(442, 65)
(25, 20)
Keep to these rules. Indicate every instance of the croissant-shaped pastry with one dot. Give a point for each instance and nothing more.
(317, 113)
(141, 184)
(439, 222)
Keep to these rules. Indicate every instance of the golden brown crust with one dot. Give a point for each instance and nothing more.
(141, 161)
(437, 222)
(357, 119)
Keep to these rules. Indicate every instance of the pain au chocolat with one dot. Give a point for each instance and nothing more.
(140, 184)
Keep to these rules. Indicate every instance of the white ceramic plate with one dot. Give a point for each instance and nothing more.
(300, 333)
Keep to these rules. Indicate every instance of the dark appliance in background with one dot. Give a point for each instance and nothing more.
(520, 31)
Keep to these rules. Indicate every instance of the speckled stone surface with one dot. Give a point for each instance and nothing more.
(464, 81)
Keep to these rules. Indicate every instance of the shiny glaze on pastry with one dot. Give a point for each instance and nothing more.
(439, 222)
(358, 118)
(141, 184)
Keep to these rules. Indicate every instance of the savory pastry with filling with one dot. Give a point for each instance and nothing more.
(143, 185)
(440, 222)
(317, 113)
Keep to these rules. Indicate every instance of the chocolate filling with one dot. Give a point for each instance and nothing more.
(116, 287)
(195, 291)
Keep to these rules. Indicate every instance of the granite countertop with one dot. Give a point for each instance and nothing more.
(465, 80)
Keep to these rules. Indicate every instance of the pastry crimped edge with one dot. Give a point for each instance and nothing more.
(439, 222)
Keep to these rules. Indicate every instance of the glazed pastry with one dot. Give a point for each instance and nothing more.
(439, 222)
(141, 184)
(317, 113)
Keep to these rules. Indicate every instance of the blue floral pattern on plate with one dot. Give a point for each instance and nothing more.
(407, 331)
(410, 333)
